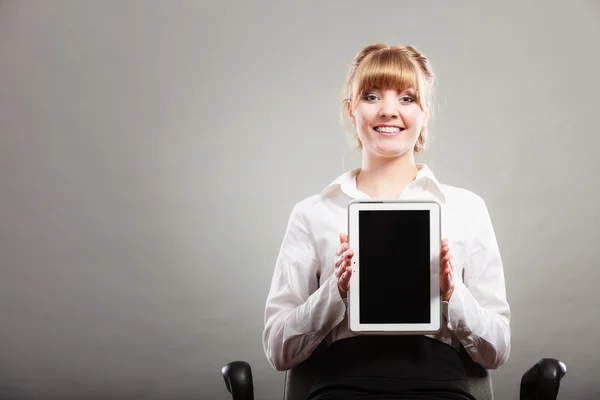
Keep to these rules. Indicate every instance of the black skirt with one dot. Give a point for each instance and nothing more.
(391, 367)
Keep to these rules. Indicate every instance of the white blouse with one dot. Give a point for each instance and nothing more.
(304, 305)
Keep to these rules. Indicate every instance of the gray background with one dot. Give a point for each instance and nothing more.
(150, 154)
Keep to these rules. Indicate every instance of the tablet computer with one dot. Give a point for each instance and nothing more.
(395, 283)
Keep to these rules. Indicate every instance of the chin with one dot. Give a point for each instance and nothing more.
(391, 152)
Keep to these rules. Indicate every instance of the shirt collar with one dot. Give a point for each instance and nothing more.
(347, 183)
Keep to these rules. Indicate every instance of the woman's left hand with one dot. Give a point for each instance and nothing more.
(446, 272)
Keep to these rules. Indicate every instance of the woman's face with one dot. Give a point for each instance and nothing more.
(388, 122)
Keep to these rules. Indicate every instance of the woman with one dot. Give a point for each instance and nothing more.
(388, 99)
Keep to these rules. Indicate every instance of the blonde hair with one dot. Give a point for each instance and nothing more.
(381, 66)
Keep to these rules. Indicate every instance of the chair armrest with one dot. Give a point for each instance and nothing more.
(238, 379)
(542, 381)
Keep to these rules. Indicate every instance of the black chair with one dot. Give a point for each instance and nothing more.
(540, 382)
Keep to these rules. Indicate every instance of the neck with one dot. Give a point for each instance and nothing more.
(381, 178)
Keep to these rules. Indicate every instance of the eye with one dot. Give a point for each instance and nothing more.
(370, 97)
(407, 99)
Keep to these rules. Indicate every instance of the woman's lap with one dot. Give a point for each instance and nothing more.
(343, 394)
(392, 368)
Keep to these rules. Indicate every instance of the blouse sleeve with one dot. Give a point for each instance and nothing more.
(298, 314)
(478, 312)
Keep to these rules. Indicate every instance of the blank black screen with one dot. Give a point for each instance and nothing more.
(394, 266)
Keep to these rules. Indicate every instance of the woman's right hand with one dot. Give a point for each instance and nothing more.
(343, 265)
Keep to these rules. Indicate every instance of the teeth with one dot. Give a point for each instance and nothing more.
(386, 129)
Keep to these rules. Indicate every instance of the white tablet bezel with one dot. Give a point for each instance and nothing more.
(435, 324)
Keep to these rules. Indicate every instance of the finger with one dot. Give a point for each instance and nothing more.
(343, 237)
(346, 271)
(344, 281)
(449, 277)
(339, 271)
(348, 255)
(341, 249)
(444, 275)
(339, 260)
(446, 272)
(343, 284)
(443, 254)
(342, 261)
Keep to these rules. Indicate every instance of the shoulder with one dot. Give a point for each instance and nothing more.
(469, 210)
(308, 208)
(332, 196)
(462, 199)
(307, 204)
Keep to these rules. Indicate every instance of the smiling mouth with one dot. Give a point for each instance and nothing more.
(388, 131)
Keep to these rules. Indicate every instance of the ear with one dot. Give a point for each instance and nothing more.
(350, 112)
(426, 116)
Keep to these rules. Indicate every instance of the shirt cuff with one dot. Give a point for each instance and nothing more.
(335, 304)
(455, 310)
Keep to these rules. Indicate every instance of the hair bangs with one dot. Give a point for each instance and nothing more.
(387, 70)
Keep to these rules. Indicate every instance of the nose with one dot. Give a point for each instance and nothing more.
(389, 108)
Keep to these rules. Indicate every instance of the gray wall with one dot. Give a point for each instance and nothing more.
(151, 151)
